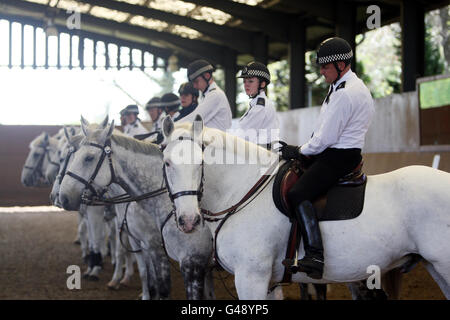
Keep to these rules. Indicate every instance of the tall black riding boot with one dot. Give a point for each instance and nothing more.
(312, 262)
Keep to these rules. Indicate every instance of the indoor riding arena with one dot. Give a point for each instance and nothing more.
(62, 59)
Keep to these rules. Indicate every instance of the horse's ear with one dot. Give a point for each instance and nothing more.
(84, 125)
(66, 133)
(72, 130)
(45, 137)
(111, 129)
(167, 126)
(105, 122)
(197, 127)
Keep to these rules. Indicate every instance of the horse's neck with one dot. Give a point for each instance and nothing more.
(138, 174)
(226, 184)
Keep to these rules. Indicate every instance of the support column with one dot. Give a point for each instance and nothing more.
(346, 26)
(296, 59)
(230, 69)
(413, 44)
(260, 48)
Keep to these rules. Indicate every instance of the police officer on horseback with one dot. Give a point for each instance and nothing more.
(156, 113)
(333, 150)
(171, 104)
(213, 104)
(188, 97)
(261, 114)
(134, 125)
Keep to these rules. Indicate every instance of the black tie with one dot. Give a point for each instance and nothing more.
(327, 99)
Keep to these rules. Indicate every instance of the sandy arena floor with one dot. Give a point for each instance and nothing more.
(36, 248)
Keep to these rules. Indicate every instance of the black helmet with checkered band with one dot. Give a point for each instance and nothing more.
(256, 69)
(333, 50)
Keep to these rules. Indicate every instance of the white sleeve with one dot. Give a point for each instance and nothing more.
(207, 109)
(331, 126)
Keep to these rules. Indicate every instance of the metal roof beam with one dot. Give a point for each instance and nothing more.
(271, 22)
(190, 47)
(238, 39)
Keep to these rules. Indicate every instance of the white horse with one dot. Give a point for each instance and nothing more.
(37, 161)
(405, 212)
(137, 167)
(96, 224)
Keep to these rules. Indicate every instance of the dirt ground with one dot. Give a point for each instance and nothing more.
(36, 248)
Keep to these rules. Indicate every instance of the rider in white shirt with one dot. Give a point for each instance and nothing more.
(156, 113)
(213, 104)
(334, 150)
(171, 104)
(134, 125)
(261, 115)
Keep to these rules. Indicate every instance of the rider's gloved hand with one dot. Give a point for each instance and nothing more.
(289, 152)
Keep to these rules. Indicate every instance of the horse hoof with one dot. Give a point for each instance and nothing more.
(125, 282)
(113, 285)
(93, 278)
(77, 242)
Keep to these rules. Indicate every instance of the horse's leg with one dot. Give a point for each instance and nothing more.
(120, 256)
(252, 284)
(77, 237)
(209, 285)
(321, 291)
(130, 258)
(112, 241)
(360, 291)
(441, 275)
(193, 271)
(148, 287)
(391, 283)
(97, 265)
(84, 241)
(304, 291)
(160, 269)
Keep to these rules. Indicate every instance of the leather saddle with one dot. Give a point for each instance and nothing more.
(343, 201)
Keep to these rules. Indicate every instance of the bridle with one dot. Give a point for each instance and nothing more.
(257, 188)
(97, 198)
(198, 192)
(106, 152)
(71, 150)
(46, 153)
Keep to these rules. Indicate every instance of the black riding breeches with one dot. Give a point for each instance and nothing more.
(324, 172)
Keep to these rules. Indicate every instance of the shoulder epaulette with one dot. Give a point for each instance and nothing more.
(340, 86)
(261, 102)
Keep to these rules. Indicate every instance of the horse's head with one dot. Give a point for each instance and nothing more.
(67, 148)
(55, 154)
(32, 174)
(89, 168)
(183, 169)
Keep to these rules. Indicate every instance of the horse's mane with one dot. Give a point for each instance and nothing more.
(39, 141)
(239, 144)
(135, 145)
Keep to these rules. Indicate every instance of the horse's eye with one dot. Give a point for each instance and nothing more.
(167, 164)
(88, 158)
(36, 155)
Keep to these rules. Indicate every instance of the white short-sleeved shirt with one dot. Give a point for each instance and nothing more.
(214, 109)
(135, 128)
(261, 116)
(345, 119)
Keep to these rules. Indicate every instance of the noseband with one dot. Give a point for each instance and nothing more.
(106, 152)
(198, 192)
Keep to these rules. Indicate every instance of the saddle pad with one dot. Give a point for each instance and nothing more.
(341, 203)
